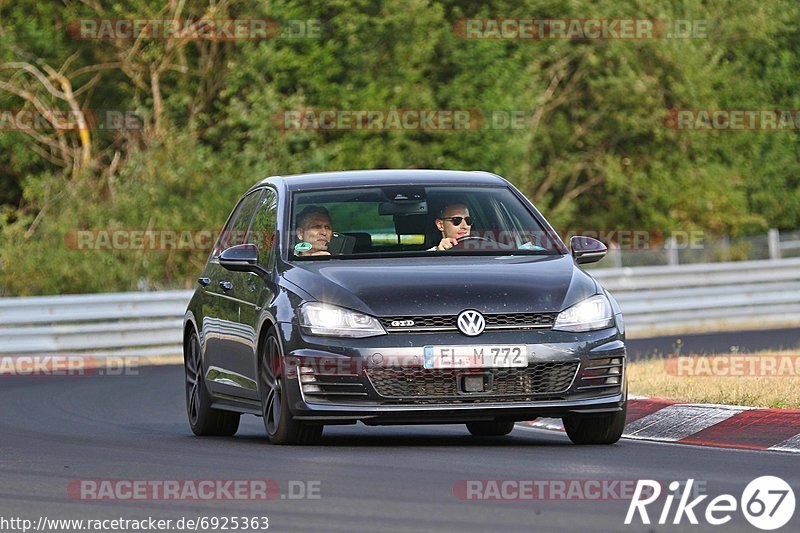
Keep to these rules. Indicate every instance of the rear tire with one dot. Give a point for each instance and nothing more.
(490, 429)
(281, 426)
(603, 429)
(203, 419)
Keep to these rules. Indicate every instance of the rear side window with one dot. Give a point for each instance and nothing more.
(235, 231)
(262, 232)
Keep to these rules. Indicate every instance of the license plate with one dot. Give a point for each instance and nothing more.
(482, 356)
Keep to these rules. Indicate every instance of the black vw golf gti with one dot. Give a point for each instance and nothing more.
(400, 297)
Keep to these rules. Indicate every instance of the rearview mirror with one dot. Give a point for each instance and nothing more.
(402, 208)
(586, 249)
(241, 258)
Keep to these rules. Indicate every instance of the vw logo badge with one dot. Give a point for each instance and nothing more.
(471, 323)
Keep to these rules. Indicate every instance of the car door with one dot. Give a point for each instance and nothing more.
(222, 322)
(248, 293)
(253, 292)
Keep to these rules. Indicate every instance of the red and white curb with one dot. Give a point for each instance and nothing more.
(706, 425)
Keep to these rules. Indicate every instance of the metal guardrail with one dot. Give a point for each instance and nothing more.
(655, 300)
(706, 297)
(136, 324)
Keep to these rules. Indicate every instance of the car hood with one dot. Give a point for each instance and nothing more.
(445, 285)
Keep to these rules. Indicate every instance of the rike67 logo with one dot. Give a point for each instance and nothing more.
(767, 503)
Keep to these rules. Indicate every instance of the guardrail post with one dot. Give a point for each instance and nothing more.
(672, 251)
(616, 254)
(774, 242)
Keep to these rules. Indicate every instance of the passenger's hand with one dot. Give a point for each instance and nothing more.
(447, 243)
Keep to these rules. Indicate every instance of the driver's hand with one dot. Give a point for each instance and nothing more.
(447, 243)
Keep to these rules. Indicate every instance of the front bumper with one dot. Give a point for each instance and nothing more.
(568, 374)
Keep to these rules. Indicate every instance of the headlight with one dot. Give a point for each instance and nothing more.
(590, 314)
(328, 320)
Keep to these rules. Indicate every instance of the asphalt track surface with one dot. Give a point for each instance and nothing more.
(54, 430)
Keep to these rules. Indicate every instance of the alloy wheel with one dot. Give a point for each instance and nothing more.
(193, 377)
(271, 383)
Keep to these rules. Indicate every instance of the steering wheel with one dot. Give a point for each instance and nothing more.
(470, 238)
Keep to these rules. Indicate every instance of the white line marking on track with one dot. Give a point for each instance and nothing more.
(678, 421)
(792, 444)
(664, 442)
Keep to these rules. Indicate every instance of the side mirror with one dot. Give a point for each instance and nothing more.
(241, 258)
(586, 249)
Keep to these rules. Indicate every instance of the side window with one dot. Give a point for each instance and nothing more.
(235, 231)
(262, 232)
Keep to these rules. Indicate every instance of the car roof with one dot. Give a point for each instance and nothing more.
(356, 178)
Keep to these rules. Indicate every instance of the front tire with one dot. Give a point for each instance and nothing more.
(603, 429)
(203, 419)
(281, 426)
(490, 429)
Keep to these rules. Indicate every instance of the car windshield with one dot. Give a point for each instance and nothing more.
(415, 220)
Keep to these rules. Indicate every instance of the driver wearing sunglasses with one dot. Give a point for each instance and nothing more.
(454, 223)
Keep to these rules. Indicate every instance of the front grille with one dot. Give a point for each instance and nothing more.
(422, 323)
(508, 384)
(520, 320)
(602, 375)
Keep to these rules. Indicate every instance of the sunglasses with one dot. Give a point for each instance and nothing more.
(457, 220)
